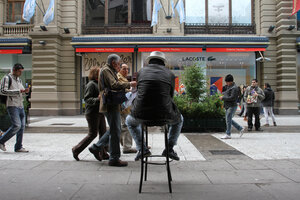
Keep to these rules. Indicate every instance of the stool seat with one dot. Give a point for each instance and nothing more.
(144, 160)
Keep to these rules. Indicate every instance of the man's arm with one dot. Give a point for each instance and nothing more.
(5, 88)
(114, 83)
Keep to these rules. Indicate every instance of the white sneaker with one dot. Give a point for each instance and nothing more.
(242, 132)
(226, 137)
(2, 147)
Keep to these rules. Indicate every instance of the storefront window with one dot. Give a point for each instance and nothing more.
(241, 12)
(14, 11)
(217, 65)
(195, 14)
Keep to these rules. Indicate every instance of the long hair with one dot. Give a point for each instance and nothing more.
(94, 73)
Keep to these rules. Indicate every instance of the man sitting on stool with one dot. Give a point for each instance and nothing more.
(154, 102)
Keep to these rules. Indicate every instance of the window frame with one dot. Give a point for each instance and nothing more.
(13, 2)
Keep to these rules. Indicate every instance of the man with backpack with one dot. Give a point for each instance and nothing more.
(12, 87)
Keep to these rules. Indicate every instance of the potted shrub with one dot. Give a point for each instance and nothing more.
(201, 112)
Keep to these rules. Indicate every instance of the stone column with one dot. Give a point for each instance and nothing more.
(287, 92)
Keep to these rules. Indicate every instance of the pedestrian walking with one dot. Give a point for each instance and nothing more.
(96, 121)
(125, 137)
(253, 97)
(12, 87)
(154, 102)
(109, 81)
(230, 96)
(268, 104)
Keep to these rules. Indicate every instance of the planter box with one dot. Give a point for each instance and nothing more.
(4, 122)
(204, 125)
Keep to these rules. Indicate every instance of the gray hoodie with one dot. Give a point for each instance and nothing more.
(14, 95)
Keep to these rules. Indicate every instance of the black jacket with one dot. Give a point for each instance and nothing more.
(231, 95)
(155, 91)
(91, 97)
(269, 98)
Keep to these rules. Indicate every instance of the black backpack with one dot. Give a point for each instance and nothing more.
(3, 98)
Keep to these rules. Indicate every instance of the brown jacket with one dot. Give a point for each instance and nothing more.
(110, 81)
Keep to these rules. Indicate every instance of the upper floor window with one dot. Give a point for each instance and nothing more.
(116, 13)
(219, 16)
(14, 11)
(218, 11)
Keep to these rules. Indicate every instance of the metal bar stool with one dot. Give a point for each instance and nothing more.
(144, 160)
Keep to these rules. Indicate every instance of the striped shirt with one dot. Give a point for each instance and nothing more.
(14, 95)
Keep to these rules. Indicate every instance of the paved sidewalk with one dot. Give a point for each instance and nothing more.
(260, 165)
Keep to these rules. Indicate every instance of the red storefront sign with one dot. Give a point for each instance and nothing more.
(234, 49)
(170, 49)
(11, 51)
(100, 49)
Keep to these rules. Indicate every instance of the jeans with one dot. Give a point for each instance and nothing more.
(135, 128)
(268, 110)
(229, 121)
(17, 118)
(112, 135)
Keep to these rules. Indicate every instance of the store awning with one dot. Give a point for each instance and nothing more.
(174, 44)
(107, 49)
(15, 45)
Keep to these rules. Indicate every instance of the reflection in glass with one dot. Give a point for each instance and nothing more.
(241, 12)
(218, 11)
(95, 12)
(141, 11)
(195, 14)
(117, 11)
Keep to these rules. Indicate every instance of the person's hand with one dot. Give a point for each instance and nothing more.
(220, 97)
(25, 91)
(99, 97)
(255, 94)
(133, 83)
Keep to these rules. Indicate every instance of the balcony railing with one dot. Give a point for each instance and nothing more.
(191, 28)
(17, 29)
(144, 28)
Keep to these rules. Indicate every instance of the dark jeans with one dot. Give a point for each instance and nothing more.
(112, 136)
(253, 111)
(96, 124)
(17, 118)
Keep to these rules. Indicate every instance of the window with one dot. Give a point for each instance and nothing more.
(117, 16)
(14, 11)
(241, 12)
(219, 17)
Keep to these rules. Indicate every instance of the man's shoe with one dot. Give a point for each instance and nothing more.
(139, 154)
(96, 153)
(172, 154)
(130, 150)
(249, 129)
(266, 125)
(275, 124)
(104, 155)
(2, 147)
(242, 132)
(226, 137)
(258, 129)
(22, 150)
(75, 155)
(117, 163)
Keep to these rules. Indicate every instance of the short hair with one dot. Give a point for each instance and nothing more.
(123, 64)
(94, 73)
(113, 57)
(255, 80)
(17, 66)
(267, 85)
(229, 78)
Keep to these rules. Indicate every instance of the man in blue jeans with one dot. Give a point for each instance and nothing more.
(230, 96)
(154, 102)
(11, 86)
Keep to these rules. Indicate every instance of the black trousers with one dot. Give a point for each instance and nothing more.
(253, 111)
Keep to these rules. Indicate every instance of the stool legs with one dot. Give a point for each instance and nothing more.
(145, 162)
(167, 158)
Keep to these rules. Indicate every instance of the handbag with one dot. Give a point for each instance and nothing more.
(112, 97)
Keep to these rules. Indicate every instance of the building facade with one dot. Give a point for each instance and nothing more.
(255, 40)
